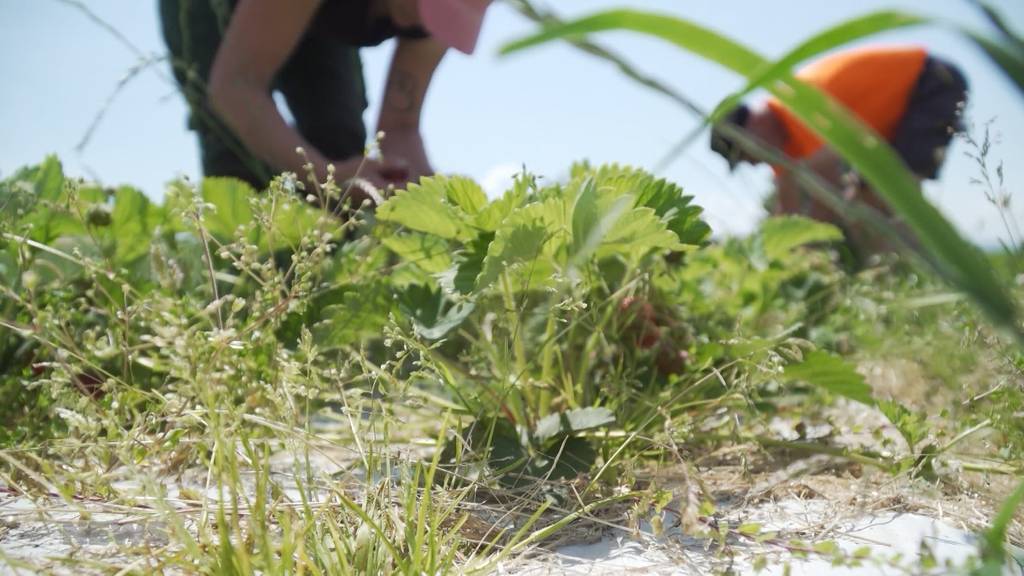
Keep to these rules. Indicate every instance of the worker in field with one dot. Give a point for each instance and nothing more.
(231, 56)
(912, 99)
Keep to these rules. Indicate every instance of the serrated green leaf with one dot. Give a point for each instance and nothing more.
(527, 236)
(592, 220)
(464, 193)
(831, 373)
(427, 207)
(671, 205)
(461, 278)
(511, 247)
(779, 236)
(492, 216)
(636, 234)
(363, 313)
(910, 425)
(429, 253)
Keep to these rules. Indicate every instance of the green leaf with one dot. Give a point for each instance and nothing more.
(749, 528)
(912, 426)
(445, 322)
(432, 317)
(427, 207)
(131, 224)
(570, 422)
(563, 460)
(362, 314)
(491, 217)
(494, 437)
(827, 547)
(49, 180)
(665, 198)
(670, 204)
(636, 234)
(230, 198)
(527, 236)
(779, 236)
(956, 260)
(831, 373)
(43, 204)
(511, 247)
(465, 273)
(591, 222)
(464, 193)
(429, 253)
(292, 220)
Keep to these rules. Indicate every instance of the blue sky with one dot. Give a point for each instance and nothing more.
(485, 115)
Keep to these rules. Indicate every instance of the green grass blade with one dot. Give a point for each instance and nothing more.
(824, 41)
(994, 545)
(1009, 60)
(954, 258)
(682, 33)
(996, 19)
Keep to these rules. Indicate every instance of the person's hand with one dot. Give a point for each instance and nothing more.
(364, 179)
(404, 147)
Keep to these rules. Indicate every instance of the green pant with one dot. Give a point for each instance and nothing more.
(322, 83)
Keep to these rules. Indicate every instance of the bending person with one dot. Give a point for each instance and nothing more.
(912, 99)
(230, 56)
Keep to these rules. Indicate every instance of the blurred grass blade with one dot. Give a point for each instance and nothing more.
(834, 37)
(1011, 61)
(1009, 54)
(545, 17)
(994, 550)
(958, 261)
(682, 33)
(997, 20)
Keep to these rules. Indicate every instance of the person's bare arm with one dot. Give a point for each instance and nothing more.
(793, 199)
(259, 39)
(412, 68)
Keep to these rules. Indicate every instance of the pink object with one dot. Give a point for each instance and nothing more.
(454, 23)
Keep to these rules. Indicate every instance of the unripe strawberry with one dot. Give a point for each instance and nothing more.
(98, 216)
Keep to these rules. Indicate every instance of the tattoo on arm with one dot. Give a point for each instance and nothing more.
(412, 67)
(402, 93)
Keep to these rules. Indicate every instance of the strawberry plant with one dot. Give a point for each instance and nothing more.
(570, 333)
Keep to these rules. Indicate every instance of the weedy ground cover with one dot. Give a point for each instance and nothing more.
(254, 384)
(235, 382)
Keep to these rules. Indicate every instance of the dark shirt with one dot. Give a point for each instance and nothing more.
(352, 22)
